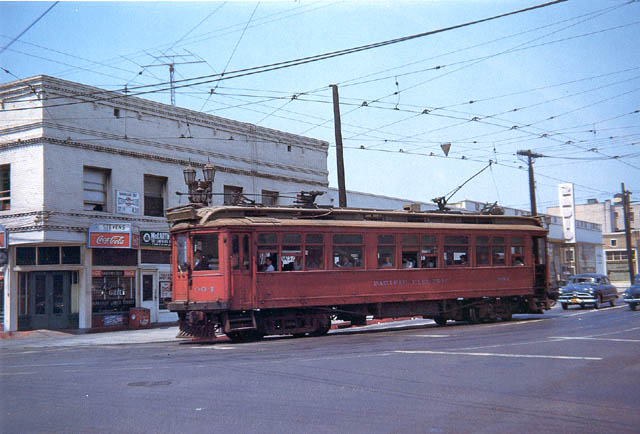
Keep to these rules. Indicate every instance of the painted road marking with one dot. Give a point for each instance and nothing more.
(432, 336)
(568, 338)
(522, 356)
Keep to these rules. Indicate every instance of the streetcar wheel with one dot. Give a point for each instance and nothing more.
(323, 327)
(507, 317)
(565, 306)
(441, 321)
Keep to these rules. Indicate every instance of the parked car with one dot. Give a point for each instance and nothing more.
(588, 289)
(632, 294)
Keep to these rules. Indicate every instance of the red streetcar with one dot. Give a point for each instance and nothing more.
(252, 271)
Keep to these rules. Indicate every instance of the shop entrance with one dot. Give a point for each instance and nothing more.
(50, 299)
(149, 296)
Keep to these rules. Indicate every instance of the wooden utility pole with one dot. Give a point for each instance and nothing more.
(342, 191)
(627, 231)
(532, 187)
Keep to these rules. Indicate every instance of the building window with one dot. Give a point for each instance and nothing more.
(613, 243)
(154, 193)
(96, 183)
(269, 198)
(5, 187)
(232, 194)
(155, 256)
(48, 255)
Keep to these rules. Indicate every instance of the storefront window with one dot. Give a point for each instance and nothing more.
(48, 255)
(71, 255)
(155, 256)
(26, 256)
(122, 257)
(113, 291)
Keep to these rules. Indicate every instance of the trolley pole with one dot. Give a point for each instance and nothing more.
(627, 231)
(532, 186)
(342, 191)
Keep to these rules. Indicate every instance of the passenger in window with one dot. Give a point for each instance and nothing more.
(518, 261)
(386, 262)
(407, 263)
(463, 259)
(268, 265)
(344, 262)
(200, 262)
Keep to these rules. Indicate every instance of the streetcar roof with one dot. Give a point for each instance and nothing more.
(190, 217)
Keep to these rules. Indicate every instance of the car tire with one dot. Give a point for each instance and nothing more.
(612, 302)
(633, 306)
(596, 305)
(565, 306)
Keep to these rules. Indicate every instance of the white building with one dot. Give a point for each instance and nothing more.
(76, 160)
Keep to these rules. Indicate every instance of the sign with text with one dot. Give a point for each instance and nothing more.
(127, 202)
(3, 238)
(112, 236)
(155, 239)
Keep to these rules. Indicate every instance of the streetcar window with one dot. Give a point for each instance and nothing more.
(291, 257)
(482, 251)
(517, 251)
(498, 249)
(456, 250)
(267, 257)
(347, 250)
(386, 251)
(314, 252)
(181, 252)
(429, 252)
(240, 260)
(205, 252)
(267, 239)
(410, 247)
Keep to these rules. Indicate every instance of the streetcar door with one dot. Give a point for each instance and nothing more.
(241, 269)
(181, 268)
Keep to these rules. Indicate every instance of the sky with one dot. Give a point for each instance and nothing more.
(562, 81)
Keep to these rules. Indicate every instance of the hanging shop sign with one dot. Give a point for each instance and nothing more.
(127, 202)
(154, 239)
(4, 242)
(113, 236)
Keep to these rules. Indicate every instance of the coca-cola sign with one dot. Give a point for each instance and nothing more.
(111, 236)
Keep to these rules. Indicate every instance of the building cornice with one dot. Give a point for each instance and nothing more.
(45, 85)
(165, 146)
(178, 161)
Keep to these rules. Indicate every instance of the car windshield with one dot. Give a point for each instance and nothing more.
(584, 279)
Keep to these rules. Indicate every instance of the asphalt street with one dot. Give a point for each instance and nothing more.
(564, 371)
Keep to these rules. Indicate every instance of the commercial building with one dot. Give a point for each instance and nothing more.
(86, 176)
(610, 215)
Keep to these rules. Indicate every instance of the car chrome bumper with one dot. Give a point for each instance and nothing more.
(632, 300)
(576, 300)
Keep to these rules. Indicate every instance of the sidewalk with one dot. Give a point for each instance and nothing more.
(50, 338)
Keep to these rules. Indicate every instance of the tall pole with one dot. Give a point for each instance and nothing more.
(627, 231)
(532, 186)
(342, 191)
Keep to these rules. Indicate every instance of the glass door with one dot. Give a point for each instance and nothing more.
(149, 295)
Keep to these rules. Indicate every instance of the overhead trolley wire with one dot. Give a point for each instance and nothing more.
(300, 61)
